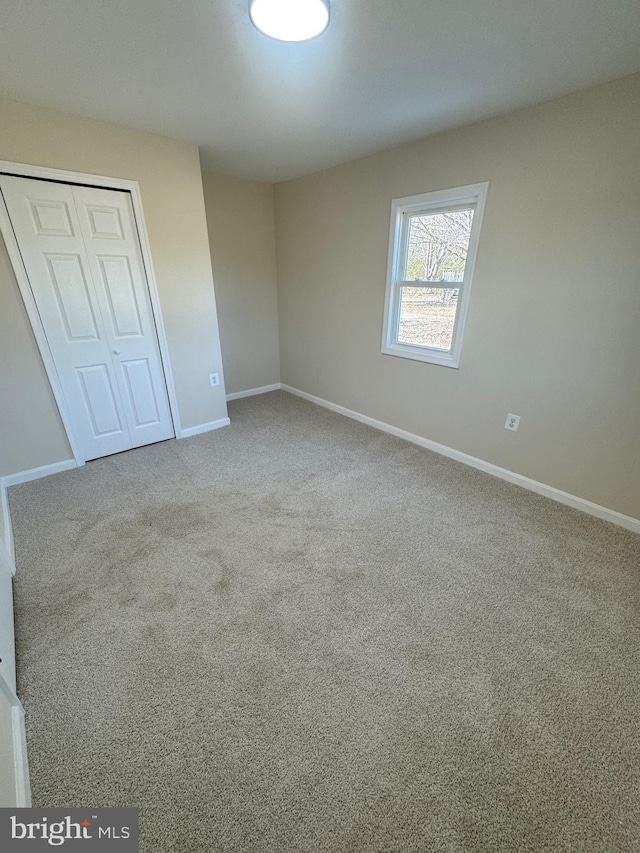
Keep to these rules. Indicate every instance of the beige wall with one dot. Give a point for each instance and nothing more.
(553, 328)
(170, 181)
(240, 218)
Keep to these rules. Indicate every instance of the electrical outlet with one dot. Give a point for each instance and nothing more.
(512, 422)
(214, 379)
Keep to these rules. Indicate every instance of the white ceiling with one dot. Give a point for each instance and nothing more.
(385, 72)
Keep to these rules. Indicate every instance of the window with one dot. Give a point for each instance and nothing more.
(432, 252)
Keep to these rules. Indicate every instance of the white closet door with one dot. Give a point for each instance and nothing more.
(81, 253)
(113, 248)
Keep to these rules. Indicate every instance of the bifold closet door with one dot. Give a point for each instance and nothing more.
(82, 255)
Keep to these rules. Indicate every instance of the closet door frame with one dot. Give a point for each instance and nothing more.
(23, 170)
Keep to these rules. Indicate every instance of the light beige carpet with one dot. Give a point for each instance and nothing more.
(300, 634)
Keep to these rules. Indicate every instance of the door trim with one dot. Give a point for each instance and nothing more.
(24, 170)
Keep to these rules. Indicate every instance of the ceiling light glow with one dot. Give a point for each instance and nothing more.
(290, 20)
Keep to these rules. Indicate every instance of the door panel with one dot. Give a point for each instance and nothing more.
(141, 392)
(104, 222)
(72, 296)
(121, 297)
(50, 218)
(82, 255)
(99, 399)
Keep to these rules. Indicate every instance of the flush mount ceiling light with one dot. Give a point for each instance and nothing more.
(290, 20)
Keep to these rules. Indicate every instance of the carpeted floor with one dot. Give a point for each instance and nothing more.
(300, 634)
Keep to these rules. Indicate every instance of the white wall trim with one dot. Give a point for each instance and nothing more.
(20, 773)
(264, 389)
(20, 761)
(37, 473)
(197, 430)
(6, 521)
(7, 562)
(7, 554)
(7, 631)
(132, 187)
(596, 510)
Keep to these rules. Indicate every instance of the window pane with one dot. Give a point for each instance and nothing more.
(427, 315)
(438, 244)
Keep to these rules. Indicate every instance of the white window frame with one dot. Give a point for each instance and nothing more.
(402, 209)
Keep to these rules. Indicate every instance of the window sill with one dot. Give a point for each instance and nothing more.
(430, 356)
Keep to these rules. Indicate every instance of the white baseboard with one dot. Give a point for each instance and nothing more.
(37, 473)
(197, 430)
(264, 389)
(598, 511)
